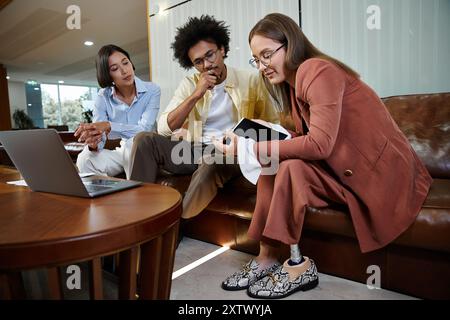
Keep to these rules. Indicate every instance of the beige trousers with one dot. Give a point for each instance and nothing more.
(151, 152)
(204, 185)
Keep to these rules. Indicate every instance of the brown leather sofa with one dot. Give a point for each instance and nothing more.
(417, 263)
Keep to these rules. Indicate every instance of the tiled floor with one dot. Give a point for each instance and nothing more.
(204, 281)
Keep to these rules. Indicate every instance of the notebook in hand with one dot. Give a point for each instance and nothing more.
(250, 129)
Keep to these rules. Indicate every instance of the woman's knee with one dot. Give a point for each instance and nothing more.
(299, 172)
(84, 161)
(292, 165)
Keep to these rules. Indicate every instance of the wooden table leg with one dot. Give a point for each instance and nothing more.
(157, 257)
(167, 261)
(17, 286)
(54, 283)
(5, 291)
(95, 279)
(127, 274)
(150, 266)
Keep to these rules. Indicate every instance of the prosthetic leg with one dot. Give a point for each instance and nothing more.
(296, 256)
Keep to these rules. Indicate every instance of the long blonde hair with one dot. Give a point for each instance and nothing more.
(283, 29)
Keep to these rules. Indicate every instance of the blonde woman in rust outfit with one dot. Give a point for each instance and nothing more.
(346, 149)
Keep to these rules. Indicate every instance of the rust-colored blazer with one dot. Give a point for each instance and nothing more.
(351, 130)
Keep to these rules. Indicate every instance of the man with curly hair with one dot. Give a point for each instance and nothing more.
(207, 103)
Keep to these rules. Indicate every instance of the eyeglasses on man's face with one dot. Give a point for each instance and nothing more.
(265, 59)
(210, 56)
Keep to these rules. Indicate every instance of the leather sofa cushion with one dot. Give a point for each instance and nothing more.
(425, 120)
(430, 231)
(439, 195)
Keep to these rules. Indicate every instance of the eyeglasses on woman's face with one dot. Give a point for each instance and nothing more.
(265, 59)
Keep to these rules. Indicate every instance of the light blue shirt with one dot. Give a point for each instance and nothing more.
(126, 121)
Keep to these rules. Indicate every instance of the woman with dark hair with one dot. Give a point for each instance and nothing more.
(346, 149)
(125, 106)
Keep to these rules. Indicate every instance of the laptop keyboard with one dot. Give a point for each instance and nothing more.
(93, 188)
(97, 185)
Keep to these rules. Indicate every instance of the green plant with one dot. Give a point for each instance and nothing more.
(87, 116)
(22, 120)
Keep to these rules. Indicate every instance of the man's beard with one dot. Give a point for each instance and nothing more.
(212, 68)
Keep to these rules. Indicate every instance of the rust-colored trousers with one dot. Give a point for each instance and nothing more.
(282, 199)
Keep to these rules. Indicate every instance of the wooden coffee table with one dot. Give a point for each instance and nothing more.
(47, 230)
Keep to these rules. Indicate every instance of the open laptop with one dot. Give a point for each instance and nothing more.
(45, 165)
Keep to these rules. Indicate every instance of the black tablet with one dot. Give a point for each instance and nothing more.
(250, 129)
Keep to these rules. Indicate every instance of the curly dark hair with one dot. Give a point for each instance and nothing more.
(205, 28)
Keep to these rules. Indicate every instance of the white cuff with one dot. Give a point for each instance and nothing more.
(115, 132)
(248, 163)
(101, 144)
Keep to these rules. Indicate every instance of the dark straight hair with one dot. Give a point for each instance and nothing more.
(102, 65)
(283, 29)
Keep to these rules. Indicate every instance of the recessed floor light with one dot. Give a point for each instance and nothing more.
(198, 262)
(88, 43)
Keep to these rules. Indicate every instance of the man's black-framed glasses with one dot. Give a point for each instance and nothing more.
(210, 56)
(265, 58)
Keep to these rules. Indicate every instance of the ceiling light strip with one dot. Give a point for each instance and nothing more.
(169, 8)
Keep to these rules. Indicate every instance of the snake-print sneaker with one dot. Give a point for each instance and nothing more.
(247, 276)
(277, 284)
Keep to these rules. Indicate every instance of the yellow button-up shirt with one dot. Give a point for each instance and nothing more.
(247, 91)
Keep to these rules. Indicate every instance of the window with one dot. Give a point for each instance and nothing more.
(65, 104)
